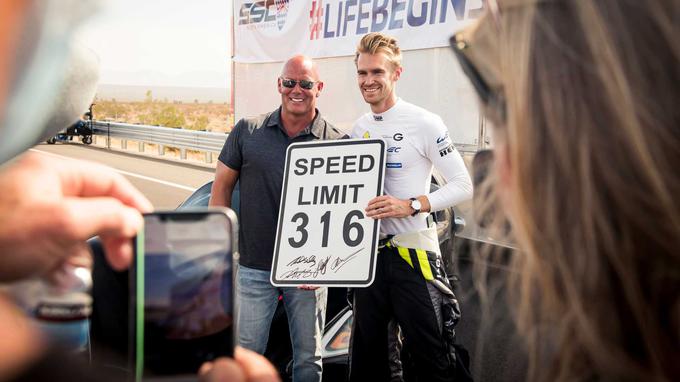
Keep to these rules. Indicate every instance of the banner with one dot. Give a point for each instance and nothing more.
(275, 30)
(324, 236)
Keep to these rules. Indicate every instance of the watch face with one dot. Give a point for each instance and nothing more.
(415, 204)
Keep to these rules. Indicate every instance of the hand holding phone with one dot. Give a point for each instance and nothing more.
(182, 291)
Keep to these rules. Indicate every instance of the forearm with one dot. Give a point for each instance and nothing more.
(220, 196)
(457, 190)
(223, 186)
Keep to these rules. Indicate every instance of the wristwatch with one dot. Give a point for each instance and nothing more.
(415, 204)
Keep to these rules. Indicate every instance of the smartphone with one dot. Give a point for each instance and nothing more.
(181, 291)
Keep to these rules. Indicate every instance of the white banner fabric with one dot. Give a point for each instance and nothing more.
(275, 30)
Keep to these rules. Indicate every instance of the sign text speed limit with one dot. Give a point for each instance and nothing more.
(323, 234)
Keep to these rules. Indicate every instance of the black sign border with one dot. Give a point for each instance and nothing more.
(374, 246)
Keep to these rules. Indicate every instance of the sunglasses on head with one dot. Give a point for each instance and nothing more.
(477, 50)
(304, 84)
(489, 97)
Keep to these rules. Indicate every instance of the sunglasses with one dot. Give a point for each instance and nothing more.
(489, 97)
(304, 84)
(482, 38)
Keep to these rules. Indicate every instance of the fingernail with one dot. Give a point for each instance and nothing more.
(147, 206)
(133, 220)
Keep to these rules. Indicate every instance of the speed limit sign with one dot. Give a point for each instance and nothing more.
(324, 236)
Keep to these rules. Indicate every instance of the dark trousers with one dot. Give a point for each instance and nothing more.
(399, 292)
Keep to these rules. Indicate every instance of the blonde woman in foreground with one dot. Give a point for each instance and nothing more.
(584, 97)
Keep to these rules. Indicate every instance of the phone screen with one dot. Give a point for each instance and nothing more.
(182, 300)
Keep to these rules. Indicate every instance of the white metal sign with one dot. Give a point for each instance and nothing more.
(324, 236)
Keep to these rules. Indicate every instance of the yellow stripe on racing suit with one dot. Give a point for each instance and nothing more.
(430, 265)
(418, 256)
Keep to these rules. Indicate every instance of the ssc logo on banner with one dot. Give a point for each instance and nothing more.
(323, 234)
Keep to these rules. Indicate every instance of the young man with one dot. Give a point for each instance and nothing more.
(404, 287)
(255, 154)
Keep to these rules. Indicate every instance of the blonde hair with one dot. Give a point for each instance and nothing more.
(592, 139)
(374, 43)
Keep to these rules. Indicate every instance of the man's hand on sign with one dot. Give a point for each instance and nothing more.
(387, 206)
(308, 287)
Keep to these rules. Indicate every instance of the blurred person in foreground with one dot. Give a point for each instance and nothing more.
(583, 96)
(50, 206)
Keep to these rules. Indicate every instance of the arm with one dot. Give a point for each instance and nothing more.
(446, 159)
(458, 187)
(228, 169)
(223, 186)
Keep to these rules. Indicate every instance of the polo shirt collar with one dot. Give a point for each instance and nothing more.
(316, 128)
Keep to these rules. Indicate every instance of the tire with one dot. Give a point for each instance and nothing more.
(87, 139)
(51, 141)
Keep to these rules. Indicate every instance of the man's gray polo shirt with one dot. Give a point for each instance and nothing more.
(256, 148)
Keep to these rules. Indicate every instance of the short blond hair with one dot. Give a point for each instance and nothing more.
(374, 43)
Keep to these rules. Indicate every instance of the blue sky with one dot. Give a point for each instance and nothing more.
(162, 42)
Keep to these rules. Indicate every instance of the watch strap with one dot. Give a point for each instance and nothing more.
(416, 210)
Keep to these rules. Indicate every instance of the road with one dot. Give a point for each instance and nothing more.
(165, 183)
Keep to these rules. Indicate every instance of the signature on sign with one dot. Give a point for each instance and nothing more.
(307, 267)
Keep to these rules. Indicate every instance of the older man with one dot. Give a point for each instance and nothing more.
(254, 154)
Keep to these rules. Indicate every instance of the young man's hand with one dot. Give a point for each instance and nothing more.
(386, 206)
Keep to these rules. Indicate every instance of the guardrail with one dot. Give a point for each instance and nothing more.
(182, 139)
(203, 141)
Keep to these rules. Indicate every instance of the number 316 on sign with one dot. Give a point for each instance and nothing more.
(324, 236)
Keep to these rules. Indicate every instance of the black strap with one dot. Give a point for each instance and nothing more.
(383, 242)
